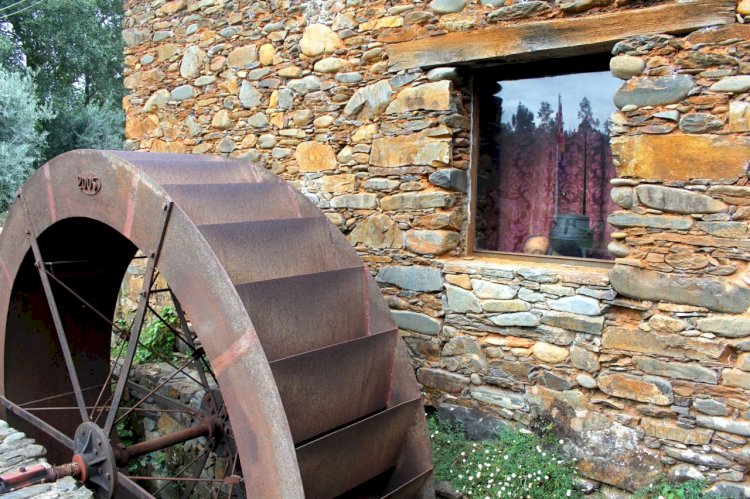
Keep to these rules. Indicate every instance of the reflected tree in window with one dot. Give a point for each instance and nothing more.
(543, 177)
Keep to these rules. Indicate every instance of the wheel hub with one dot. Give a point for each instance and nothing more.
(96, 459)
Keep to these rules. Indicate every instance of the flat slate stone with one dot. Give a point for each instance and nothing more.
(442, 380)
(654, 90)
(496, 396)
(711, 407)
(447, 6)
(573, 322)
(700, 123)
(690, 371)
(413, 278)
(461, 300)
(450, 178)
(734, 84)
(181, 93)
(643, 389)
(577, 305)
(713, 294)
(414, 321)
(526, 319)
(677, 200)
(728, 327)
(728, 425)
(627, 219)
(680, 156)
(518, 11)
(492, 291)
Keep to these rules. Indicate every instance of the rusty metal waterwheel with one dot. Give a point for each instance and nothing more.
(319, 391)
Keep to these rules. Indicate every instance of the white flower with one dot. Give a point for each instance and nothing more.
(505, 457)
(568, 493)
(562, 441)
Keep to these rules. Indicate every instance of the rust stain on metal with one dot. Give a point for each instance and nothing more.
(238, 348)
(131, 205)
(50, 194)
(6, 273)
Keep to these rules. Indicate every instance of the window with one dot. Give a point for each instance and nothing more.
(544, 161)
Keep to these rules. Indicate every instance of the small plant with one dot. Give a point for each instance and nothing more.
(515, 464)
(663, 489)
(156, 342)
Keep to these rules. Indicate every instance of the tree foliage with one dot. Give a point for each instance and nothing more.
(21, 140)
(68, 55)
(73, 49)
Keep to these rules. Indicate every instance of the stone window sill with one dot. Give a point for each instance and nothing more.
(572, 270)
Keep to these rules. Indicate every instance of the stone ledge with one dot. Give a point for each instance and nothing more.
(503, 267)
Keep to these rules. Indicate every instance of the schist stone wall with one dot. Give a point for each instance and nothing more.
(643, 368)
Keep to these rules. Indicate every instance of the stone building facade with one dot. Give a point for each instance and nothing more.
(642, 365)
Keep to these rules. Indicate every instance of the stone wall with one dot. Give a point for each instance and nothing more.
(640, 368)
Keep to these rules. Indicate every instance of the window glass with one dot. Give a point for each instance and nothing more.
(544, 159)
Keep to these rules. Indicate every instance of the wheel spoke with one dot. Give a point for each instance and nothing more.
(151, 392)
(135, 331)
(59, 395)
(198, 362)
(62, 338)
(41, 425)
(234, 468)
(204, 454)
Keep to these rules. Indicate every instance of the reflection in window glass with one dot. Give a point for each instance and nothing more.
(545, 163)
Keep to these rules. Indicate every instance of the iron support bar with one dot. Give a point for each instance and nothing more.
(207, 428)
(42, 425)
(135, 330)
(198, 365)
(62, 338)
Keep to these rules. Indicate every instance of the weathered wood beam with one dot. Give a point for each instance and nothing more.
(559, 37)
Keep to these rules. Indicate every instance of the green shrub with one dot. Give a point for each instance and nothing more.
(515, 464)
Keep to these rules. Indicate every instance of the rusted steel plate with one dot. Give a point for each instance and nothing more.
(227, 203)
(341, 460)
(350, 380)
(290, 247)
(312, 298)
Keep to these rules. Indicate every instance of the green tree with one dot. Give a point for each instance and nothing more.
(21, 139)
(74, 50)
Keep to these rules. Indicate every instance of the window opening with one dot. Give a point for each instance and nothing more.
(544, 159)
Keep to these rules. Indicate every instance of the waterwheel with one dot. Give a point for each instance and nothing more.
(308, 387)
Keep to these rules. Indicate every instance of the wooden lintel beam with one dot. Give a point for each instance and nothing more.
(559, 37)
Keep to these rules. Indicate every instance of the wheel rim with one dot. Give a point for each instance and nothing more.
(279, 444)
